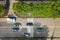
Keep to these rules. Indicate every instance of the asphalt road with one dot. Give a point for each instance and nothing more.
(49, 23)
(7, 32)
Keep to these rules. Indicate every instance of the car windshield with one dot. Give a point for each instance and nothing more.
(17, 24)
(15, 29)
(40, 29)
(30, 24)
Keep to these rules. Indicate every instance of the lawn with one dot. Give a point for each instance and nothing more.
(31, 38)
(1, 8)
(46, 10)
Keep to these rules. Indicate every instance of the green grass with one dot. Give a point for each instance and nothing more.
(1, 8)
(46, 10)
(22, 38)
(32, 38)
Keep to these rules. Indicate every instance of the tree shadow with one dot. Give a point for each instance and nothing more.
(42, 34)
(24, 30)
(7, 4)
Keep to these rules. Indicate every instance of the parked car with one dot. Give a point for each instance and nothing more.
(29, 24)
(15, 29)
(40, 29)
(17, 24)
(11, 19)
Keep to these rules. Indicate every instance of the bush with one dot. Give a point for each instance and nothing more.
(51, 9)
(1, 8)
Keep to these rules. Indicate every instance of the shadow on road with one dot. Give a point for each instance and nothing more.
(24, 30)
(42, 35)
